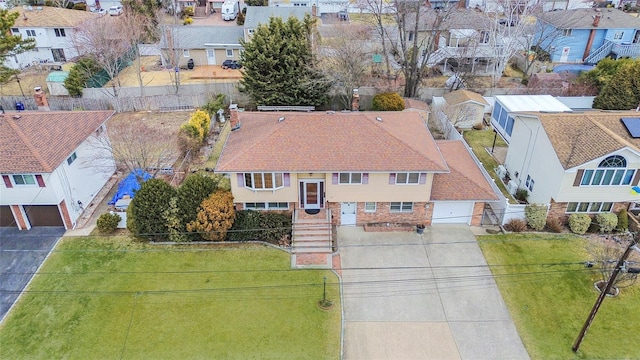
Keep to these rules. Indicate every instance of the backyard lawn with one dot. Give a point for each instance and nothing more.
(106, 298)
(479, 141)
(549, 293)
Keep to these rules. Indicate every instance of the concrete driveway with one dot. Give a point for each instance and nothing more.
(408, 296)
(21, 254)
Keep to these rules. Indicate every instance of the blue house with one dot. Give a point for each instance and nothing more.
(589, 35)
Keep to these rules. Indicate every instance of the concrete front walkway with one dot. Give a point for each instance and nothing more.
(408, 296)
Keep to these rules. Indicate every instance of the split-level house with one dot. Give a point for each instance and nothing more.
(362, 167)
(589, 35)
(53, 164)
(580, 162)
(53, 29)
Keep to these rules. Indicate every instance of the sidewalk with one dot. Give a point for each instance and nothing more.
(87, 221)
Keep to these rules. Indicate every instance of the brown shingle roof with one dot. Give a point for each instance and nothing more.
(465, 180)
(51, 17)
(41, 141)
(581, 137)
(331, 142)
(462, 96)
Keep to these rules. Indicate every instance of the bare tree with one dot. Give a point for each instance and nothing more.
(510, 31)
(379, 16)
(107, 41)
(605, 255)
(170, 38)
(345, 57)
(135, 145)
(135, 33)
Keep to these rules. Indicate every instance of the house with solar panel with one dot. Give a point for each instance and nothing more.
(575, 162)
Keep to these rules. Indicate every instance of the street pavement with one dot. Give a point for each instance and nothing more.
(408, 296)
(21, 254)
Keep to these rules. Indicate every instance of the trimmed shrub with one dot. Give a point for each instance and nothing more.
(193, 191)
(266, 226)
(187, 21)
(216, 102)
(555, 225)
(521, 195)
(516, 225)
(623, 221)
(579, 223)
(389, 101)
(108, 223)
(607, 222)
(536, 216)
(215, 216)
(246, 227)
(81, 7)
(145, 214)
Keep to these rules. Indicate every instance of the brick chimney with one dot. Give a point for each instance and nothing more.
(233, 117)
(41, 99)
(597, 17)
(355, 101)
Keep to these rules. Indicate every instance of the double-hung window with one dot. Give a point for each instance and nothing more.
(370, 207)
(72, 158)
(350, 178)
(60, 32)
(24, 179)
(401, 207)
(407, 178)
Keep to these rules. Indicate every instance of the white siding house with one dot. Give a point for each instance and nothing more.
(53, 29)
(51, 168)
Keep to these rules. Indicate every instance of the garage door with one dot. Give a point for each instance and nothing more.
(43, 215)
(452, 212)
(6, 217)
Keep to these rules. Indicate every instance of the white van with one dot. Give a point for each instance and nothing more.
(230, 9)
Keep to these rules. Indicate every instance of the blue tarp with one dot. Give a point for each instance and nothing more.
(129, 185)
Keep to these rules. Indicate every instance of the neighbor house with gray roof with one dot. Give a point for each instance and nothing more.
(53, 165)
(53, 29)
(580, 162)
(588, 35)
(206, 45)
(257, 15)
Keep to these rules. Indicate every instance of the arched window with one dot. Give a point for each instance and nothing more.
(615, 161)
(610, 171)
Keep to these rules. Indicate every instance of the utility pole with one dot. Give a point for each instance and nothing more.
(603, 294)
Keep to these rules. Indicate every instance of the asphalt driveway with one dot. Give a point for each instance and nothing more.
(408, 296)
(21, 254)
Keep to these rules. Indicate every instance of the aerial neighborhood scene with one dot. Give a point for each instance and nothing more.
(335, 179)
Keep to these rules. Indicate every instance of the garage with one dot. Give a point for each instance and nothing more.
(452, 212)
(43, 215)
(6, 217)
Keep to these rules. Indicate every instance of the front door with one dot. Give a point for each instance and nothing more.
(564, 56)
(211, 57)
(348, 213)
(311, 194)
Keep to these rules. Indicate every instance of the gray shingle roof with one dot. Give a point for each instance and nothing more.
(583, 19)
(261, 14)
(194, 37)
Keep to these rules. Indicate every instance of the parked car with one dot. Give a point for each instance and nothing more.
(100, 11)
(231, 64)
(115, 10)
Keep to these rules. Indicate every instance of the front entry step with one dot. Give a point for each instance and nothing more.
(312, 240)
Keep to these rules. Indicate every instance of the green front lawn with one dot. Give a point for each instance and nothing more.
(106, 298)
(479, 141)
(549, 293)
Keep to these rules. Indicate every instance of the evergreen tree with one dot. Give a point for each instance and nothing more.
(193, 191)
(11, 44)
(146, 213)
(622, 92)
(279, 66)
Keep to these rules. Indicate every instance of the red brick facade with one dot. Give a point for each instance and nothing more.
(421, 214)
(558, 210)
